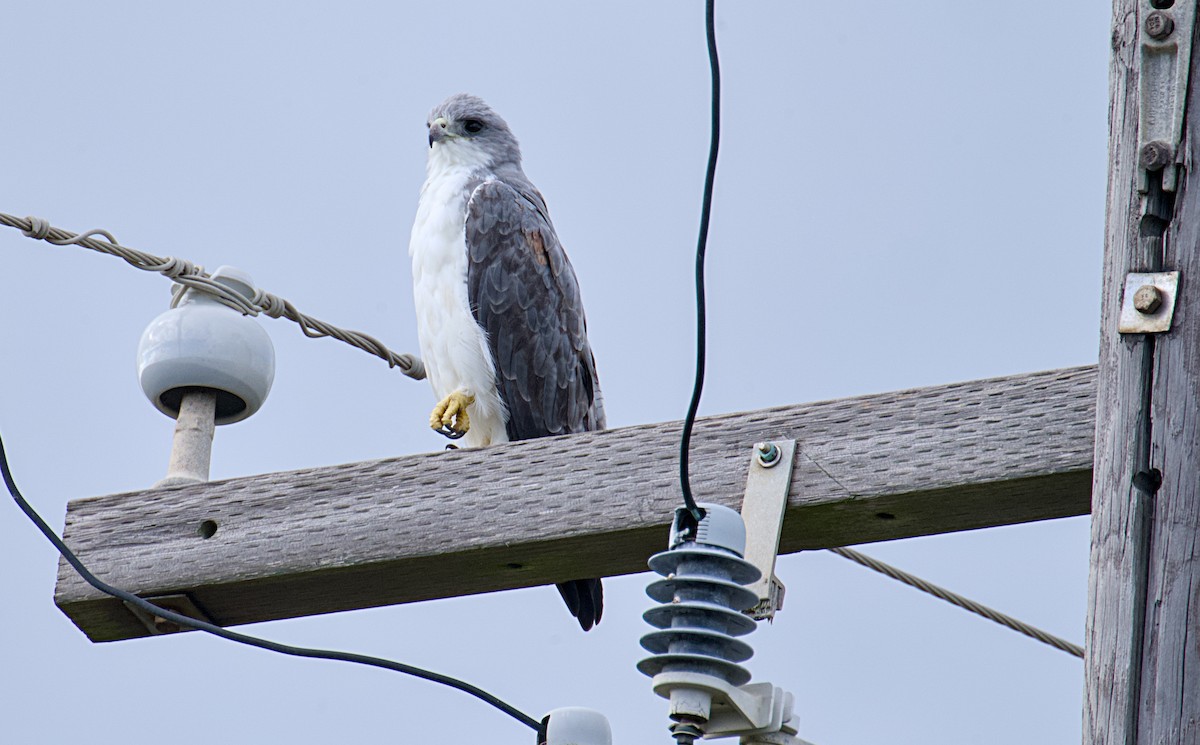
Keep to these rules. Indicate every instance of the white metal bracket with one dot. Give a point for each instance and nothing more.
(763, 505)
(1164, 55)
(755, 713)
(1148, 305)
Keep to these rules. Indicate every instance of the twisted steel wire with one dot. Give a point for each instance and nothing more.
(187, 276)
(965, 603)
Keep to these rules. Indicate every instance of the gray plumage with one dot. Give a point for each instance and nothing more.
(523, 293)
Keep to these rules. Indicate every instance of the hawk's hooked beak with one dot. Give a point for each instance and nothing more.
(437, 130)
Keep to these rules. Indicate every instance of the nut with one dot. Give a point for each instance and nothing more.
(768, 453)
(1159, 25)
(1147, 299)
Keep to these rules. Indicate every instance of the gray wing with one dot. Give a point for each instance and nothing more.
(523, 293)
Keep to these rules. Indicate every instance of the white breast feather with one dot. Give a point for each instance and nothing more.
(454, 347)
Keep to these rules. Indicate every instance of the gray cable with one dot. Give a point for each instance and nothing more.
(956, 599)
(187, 275)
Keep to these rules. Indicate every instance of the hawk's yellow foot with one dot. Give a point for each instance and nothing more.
(450, 416)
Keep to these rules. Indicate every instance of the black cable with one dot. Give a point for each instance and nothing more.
(689, 422)
(701, 244)
(252, 641)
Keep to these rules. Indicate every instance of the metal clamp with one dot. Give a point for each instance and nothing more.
(1164, 56)
(763, 505)
(1148, 305)
(181, 604)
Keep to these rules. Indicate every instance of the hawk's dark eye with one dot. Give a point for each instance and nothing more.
(472, 126)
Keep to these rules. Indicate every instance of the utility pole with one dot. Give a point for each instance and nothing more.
(1143, 638)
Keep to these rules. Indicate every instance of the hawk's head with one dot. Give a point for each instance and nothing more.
(466, 125)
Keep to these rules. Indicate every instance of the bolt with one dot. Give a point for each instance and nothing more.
(165, 626)
(768, 454)
(1159, 25)
(1156, 155)
(1148, 481)
(1147, 299)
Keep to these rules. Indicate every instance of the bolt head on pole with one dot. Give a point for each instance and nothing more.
(1156, 155)
(1147, 299)
(1159, 25)
(204, 344)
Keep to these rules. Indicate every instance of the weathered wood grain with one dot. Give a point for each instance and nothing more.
(1170, 691)
(933, 460)
(1143, 650)
(1116, 588)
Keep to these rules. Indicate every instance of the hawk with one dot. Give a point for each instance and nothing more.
(499, 315)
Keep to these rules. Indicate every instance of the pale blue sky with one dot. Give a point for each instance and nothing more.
(899, 183)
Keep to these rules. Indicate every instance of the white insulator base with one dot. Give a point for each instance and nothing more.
(191, 449)
(757, 708)
(690, 702)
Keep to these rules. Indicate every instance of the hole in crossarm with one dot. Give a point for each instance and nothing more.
(515, 565)
(885, 516)
(1162, 4)
(207, 529)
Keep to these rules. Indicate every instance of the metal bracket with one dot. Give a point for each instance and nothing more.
(756, 712)
(1164, 55)
(181, 604)
(1148, 305)
(763, 505)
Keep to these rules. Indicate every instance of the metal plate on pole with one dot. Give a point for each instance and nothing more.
(1148, 305)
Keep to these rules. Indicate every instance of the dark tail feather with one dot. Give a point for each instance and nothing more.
(585, 600)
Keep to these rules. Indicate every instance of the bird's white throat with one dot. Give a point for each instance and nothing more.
(454, 153)
(453, 346)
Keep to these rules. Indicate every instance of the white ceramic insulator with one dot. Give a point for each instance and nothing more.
(575, 725)
(205, 344)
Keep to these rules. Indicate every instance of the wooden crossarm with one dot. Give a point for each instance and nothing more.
(416, 527)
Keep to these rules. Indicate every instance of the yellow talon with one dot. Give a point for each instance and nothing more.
(450, 416)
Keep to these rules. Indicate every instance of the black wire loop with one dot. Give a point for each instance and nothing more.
(252, 641)
(694, 512)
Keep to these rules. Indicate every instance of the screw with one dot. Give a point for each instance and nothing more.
(768, 454)
(1147, 299)
(1156, 155)
(1159, 25)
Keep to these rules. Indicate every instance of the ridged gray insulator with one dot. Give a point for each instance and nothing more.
(703, 597)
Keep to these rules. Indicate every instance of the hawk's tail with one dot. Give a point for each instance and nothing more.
(585, 600)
